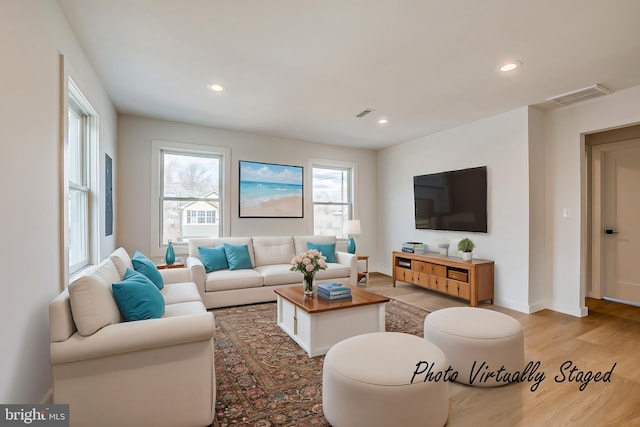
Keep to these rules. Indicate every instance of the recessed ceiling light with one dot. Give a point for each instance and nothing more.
(383, 121)
(510, 66)
(216, 87)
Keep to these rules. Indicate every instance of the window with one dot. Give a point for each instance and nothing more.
(80, 169)
(201, 217)
(189, 200)
(332, 199)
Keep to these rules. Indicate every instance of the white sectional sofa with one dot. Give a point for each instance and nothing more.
(270, 259)
(152, 372)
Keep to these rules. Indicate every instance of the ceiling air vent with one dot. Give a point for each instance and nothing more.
(580, 95)
(364, 112)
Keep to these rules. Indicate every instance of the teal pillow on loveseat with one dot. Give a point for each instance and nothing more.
(213, 259)
(144, 265)
(137, 297)
(238, 256)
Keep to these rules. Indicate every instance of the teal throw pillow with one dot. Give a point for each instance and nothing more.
(137, 297)
(144, 265)
(238, 256)
(326, 249)
(214, 259)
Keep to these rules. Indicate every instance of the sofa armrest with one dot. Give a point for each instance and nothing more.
(197, 274)
(175, 275)
(61, 325)
(350, 260)
(135, 336)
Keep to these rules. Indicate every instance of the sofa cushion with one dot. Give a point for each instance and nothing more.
(184, 309)
(273, 250)
(326, 249)
(279, 274)
(213, 259)
(92, 303)
(300, 242)
(138, 298)
(334, 271)
(210, 242)
(122, 261)
(144, 265)
(223, 280)
(238, 256)
(176, 293)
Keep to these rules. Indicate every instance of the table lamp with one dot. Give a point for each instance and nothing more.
(352, 227)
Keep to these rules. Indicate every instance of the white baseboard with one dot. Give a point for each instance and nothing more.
(538, 306)
(511, 305)
(570, 310)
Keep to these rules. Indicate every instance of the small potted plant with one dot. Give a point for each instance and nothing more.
(466, 247)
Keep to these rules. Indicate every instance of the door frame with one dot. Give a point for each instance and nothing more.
(595, 153)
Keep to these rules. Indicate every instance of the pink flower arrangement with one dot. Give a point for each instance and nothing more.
(309, 262)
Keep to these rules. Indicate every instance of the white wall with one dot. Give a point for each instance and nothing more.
(134, 173)
(501, 143)
(565, 168)
(32, 35)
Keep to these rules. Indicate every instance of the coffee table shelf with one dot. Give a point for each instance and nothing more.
(316, 324)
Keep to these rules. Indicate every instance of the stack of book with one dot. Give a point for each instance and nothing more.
(333, 291)
(413, 247)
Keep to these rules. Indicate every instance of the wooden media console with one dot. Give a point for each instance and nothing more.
(469, 280)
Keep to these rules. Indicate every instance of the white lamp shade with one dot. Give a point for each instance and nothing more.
(353, 227)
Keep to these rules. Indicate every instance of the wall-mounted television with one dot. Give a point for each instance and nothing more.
(452, 200)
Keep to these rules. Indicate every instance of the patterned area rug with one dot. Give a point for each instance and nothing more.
(265, 379)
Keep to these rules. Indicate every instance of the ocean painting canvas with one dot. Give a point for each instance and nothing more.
(270, 190)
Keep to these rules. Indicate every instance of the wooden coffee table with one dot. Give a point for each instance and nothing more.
(317, 324)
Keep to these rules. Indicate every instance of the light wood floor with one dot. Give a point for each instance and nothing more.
(609, 334)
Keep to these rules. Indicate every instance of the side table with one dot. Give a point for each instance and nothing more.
(365, 273)
(174, 265)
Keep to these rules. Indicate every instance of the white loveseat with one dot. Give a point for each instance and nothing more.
(270, 258)
(153, 372)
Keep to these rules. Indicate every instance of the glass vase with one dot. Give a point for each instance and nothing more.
(307, 284)
(170, 255)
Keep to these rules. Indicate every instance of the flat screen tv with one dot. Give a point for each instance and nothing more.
(452, 200)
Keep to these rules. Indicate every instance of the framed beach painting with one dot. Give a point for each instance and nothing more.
(269, 190)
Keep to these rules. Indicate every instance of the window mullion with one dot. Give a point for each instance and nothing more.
(74, 186)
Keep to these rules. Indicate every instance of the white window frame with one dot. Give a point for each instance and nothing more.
(341, 165)
(224, 217)
(76, 100)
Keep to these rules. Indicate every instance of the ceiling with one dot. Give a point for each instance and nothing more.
(303, 69)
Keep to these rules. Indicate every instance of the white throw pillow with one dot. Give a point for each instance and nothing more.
(92, 303)
(122, 261)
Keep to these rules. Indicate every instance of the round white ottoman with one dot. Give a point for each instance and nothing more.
(485, 347)
(367, 381)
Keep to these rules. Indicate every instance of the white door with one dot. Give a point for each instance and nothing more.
(621, 221)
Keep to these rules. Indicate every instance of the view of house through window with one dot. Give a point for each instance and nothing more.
(189, 195)
(332, 199)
